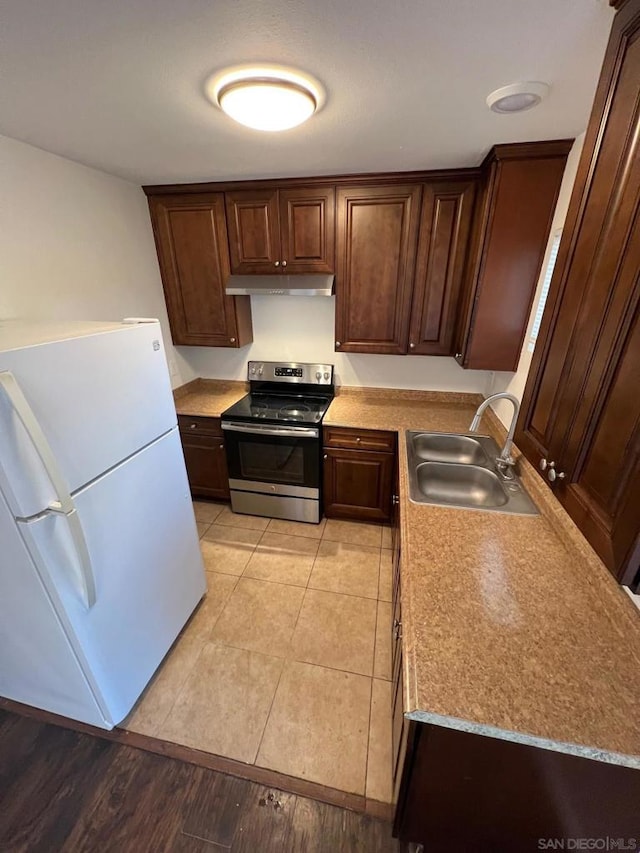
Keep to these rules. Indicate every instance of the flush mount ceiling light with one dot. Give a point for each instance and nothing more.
(265, 97)
(517, 97)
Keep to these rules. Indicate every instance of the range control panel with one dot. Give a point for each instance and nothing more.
(289, 371)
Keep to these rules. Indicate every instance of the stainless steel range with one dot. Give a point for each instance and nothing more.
(273, 440)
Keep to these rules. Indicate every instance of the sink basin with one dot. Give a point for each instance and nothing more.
(441, 447)
(460, 484)
(447, 469)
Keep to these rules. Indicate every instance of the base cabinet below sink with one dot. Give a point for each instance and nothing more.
(468, 792)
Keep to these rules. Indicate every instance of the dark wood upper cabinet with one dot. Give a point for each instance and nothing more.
(307, 229)
(254, 232)
(581, 406)
(376, 251)
(519, 193)
(290, 230)
(191, 241)
(445, 223)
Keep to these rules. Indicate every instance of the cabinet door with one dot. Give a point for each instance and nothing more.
(254, 235)
(522, 182)
(191, 241)
(445, 224)
(307, 229)
(581, 408)
(376, 251)
(206, 463)
(357, 484)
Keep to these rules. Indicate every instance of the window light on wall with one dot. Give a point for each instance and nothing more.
(544, 291)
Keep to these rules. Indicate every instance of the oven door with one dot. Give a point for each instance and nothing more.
(281, 460)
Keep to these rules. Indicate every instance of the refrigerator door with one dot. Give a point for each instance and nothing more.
(38, 665)
(97, 398)
(145, 557)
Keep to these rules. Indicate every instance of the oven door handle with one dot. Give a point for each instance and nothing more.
(285, 432)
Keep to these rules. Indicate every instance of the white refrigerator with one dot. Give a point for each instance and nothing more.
(100, 564)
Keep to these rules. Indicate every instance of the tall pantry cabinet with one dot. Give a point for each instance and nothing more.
(580, 422)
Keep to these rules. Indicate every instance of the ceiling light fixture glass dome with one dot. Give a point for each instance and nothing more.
(517, 97)
(269, 98)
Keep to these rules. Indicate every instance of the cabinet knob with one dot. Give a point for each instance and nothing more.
(193, 426)
(284, 263)
(326, 456)
(277, 264)
(233, 340)
(412, 345)
(221, 447)
(554, 475)
(458, 355)
(395, 500)
(397, 629)
(337, 343)
(544, 464)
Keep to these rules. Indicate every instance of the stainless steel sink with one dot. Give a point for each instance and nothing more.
(441, 447)
(453, 470)
(460, 484)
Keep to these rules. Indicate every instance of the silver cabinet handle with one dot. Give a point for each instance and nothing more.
(395, 500)
(326, 456)
(284, 263)
(221, 446)
(554, 475)
(544, 464)
(277, 264)
(233, 340)
(458, 355)
(64, 504)
(412, 345)
(337, 343)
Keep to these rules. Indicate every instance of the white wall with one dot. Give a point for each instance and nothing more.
(301, 328)
(75, 244)
(514, 382)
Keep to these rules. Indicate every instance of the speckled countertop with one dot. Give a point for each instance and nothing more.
(511, 625)
(208, 397)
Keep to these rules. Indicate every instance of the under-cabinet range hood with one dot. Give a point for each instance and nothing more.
(311, 284)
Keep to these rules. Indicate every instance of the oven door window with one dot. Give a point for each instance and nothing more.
(279, 462)
(286, 460)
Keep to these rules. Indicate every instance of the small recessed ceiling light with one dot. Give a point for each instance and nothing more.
(517, 97)
(265, 97)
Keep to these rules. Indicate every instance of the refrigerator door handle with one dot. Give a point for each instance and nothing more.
(64, 505)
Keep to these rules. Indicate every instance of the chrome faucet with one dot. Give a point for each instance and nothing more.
(505, 461)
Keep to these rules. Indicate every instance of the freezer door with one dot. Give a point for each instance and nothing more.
(98, 399)
(38, 665)
(145, 555)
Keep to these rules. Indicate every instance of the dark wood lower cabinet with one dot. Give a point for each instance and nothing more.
(476, 794)
(358, 483)
(205, 457)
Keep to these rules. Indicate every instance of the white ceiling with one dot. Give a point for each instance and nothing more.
(118, 84)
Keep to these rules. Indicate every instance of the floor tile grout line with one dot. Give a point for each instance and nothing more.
(268, 717)
(366, 763)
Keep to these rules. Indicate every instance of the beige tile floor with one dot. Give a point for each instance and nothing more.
(286, 663)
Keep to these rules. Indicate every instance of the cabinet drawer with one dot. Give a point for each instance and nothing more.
(198, 425)
(359, 439)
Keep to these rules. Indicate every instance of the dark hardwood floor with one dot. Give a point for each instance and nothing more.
(61, 790)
